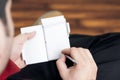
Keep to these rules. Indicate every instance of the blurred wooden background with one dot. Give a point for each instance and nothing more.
(91, 17)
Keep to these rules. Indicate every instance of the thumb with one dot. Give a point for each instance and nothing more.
(62, 67)
(24, 37)
(29, 35)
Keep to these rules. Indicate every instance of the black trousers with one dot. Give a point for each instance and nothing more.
(104, 48)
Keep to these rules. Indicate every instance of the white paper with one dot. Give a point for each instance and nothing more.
(56, 36)
(34, 50)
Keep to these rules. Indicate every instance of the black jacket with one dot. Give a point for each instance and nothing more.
(104, 48)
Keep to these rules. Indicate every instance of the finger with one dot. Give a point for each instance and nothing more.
(92, 65)
(91, 59)
(68, 50)
(87, 56)
(74, 53)
(84, 54)
(82, 58)
(62, 67)
(24, 37)
(29, 35)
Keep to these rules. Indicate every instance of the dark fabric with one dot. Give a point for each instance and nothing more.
(104, 48)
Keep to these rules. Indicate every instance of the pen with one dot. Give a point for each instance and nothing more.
(75, 62)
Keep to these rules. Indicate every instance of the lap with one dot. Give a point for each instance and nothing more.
(105, 51)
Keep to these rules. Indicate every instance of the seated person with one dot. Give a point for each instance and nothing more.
(105, 51)
(8, 52)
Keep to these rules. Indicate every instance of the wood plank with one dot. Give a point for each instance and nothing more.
(23, 24)
(92, 15)
(75, 7)
(24, 6)
(66, 1)
(93, 31)
(84, 31)
(100, 23)
(73, 23)
(27, 14)
(116, 29)
(84, 7)
(68, 14)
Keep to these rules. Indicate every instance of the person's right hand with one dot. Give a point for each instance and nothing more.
(86, 68)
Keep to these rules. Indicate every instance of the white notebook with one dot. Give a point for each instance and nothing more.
(50, 39)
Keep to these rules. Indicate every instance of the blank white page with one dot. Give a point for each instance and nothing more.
(56, 36)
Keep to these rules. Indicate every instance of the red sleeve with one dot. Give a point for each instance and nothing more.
(10, 69)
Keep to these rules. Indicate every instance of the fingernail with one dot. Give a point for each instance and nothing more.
(62, 56)
(33, 33)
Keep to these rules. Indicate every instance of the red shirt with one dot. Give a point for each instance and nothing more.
(10, 69)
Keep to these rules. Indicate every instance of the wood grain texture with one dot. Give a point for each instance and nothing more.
(91, 17)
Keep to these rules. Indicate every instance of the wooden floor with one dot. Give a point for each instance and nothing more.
(91, 17)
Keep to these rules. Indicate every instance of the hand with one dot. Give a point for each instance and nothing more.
(17, 48)
(86, 68)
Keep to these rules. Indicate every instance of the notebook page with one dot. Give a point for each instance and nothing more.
(56, 36)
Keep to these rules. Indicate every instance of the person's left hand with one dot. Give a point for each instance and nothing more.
(17, 48)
